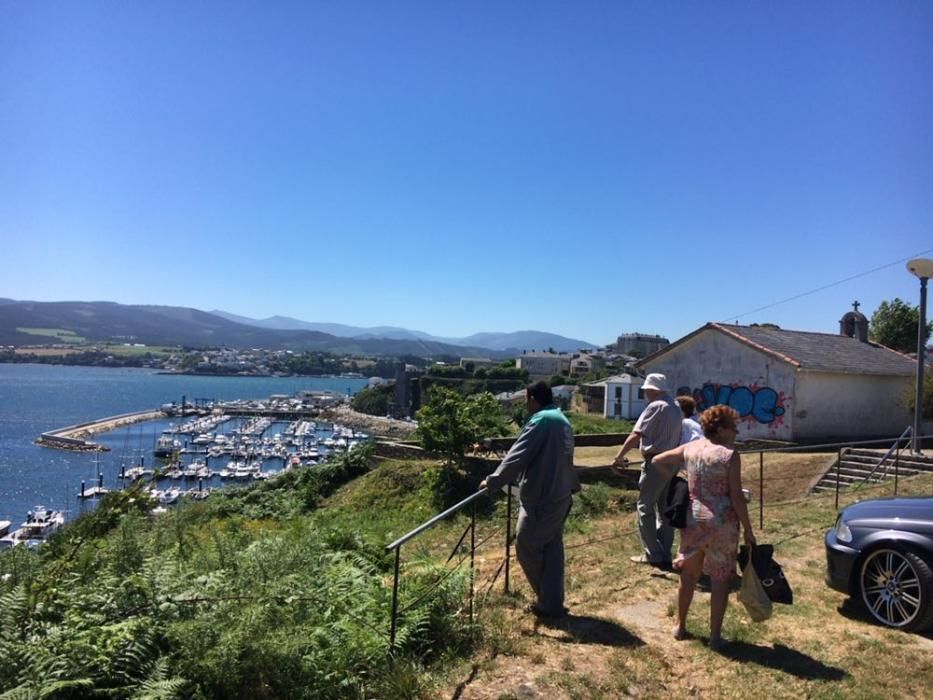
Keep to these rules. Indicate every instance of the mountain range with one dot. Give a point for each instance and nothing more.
(515, 341)
(32, 323)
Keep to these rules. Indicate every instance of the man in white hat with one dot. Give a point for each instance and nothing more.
(658, 429)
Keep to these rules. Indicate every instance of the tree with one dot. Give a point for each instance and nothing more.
(374, 400)
(449, 423)
(927, 409)
(894, 325)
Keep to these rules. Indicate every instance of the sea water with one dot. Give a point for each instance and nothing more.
(38, 398)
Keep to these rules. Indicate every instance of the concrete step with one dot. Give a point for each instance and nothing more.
(903, 458)
(861, 472)
(857, 465)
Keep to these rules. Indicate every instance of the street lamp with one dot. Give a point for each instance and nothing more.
(922, 268)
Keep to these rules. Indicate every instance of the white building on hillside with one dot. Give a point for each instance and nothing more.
(624, 399)
(543, 364)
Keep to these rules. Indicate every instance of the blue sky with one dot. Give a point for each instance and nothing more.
(586, 168)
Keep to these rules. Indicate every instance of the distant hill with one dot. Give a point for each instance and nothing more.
(30, 322)
(503, 342)
(525, 340)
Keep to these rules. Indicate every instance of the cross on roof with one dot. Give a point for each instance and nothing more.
(855, 306)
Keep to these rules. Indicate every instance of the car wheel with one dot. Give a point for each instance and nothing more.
(897, 588)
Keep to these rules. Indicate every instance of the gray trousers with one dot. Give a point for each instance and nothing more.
(657, 537)
(539, 547)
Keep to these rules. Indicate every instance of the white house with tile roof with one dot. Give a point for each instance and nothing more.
(792, 385)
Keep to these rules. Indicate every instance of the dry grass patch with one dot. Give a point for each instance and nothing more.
(787, 475)
(617, 643)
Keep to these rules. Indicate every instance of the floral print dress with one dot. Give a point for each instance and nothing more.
(712, 525)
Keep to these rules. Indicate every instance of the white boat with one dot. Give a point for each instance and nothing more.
(247, 471)
(40, 524)
(165, 497)
(165, 446)
(134, 473)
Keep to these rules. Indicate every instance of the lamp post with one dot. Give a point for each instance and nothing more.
(922, 268)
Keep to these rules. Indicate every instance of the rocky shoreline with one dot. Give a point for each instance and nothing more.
(377, 426)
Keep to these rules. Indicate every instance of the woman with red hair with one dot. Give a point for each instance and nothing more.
(710, 539)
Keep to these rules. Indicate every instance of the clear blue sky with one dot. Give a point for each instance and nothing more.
(586, 168)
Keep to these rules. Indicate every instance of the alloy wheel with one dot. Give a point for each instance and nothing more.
(892, 589)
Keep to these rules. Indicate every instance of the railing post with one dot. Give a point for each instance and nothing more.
(398, 553)
(838, 467)
(761, 490)
(508, 535)
(897, 456)
(472, 553)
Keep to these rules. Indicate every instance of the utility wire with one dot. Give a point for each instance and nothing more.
(831, 284)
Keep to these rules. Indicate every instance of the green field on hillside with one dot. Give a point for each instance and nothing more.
(59, 335)
(134, 351)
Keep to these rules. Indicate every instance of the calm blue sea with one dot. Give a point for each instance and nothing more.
(37, 398)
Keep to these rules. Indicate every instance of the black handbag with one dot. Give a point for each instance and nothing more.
(769, 571)
(678, 500)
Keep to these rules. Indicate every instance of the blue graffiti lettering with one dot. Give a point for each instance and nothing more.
(762, 404)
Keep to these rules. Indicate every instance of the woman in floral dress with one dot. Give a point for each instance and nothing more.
(709, 542)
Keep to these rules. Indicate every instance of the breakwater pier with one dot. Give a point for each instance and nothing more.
(73, 437)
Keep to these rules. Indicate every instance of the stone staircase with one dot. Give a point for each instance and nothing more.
(857, 464)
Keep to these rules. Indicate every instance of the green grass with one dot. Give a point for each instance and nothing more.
(59, 334)
(588, 424)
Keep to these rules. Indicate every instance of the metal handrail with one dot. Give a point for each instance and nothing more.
(887, 454)
(822, 446)
(436, 519)
(471, 530)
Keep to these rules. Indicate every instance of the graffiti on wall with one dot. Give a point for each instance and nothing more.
(755, 404)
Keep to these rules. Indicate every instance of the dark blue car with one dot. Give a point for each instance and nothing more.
(881, 552)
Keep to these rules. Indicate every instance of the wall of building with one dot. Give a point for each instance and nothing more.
(543, 365)
(622, 400)
(717, 369)
(851, 407)
(642, 344)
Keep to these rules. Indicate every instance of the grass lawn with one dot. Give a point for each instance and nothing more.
(617, 641)
(589, 423)
(786, 475)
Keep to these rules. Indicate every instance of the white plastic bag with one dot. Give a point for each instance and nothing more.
(752, 595)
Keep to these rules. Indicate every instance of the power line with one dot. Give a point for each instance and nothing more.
(827, 286)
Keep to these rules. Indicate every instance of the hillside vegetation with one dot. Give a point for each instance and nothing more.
(248, 595)
(283, 590)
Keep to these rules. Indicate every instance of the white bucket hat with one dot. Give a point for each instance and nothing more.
(658, 382)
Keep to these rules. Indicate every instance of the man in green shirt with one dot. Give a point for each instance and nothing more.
(541, 461)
